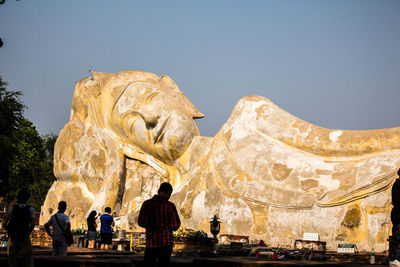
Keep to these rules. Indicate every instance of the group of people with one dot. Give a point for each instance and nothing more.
(61, 225)
(107, 222)
(157, 215)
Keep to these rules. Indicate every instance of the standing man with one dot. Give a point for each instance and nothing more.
(160, 218)
(61, 224)
(106, 221)
(19, 224)
(394, 244)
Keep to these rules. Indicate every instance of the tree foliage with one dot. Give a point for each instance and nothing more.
(27, 158)
(11, 110)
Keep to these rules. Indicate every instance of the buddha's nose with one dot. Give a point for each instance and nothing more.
(150, 118)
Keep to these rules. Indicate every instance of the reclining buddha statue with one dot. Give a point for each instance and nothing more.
(266, 173)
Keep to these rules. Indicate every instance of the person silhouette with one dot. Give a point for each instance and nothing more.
(160, 218)
(107, 221)
(91, 235)
(61, 224)
(394, 245)
(19, 223)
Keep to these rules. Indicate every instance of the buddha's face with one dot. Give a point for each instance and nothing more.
(155, 118)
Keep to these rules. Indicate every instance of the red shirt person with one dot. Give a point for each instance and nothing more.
(160, 218)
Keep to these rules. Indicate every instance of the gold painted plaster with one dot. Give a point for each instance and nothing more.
(280, 171)
(353, 226)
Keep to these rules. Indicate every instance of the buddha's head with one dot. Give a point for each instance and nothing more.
(144, 110)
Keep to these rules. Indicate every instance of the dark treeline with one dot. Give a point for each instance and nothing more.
(26, 158)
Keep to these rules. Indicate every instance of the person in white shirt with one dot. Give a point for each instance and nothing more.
(60, 245)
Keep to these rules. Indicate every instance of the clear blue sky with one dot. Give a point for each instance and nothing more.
(335, 64)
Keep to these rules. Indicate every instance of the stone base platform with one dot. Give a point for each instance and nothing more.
(83, 257)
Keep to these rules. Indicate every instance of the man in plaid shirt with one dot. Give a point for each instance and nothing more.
(160, 218)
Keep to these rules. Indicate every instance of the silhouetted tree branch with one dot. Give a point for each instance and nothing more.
(2, 2)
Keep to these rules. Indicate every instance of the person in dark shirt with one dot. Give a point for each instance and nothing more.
(19, 223)
(394, 245)
(91, 222)
(160, 218)
(107, 221)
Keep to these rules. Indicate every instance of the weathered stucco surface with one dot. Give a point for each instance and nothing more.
(266, 173)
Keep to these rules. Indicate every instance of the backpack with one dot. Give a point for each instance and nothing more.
(19, 226)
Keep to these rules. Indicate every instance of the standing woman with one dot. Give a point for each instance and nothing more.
(91, 222)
